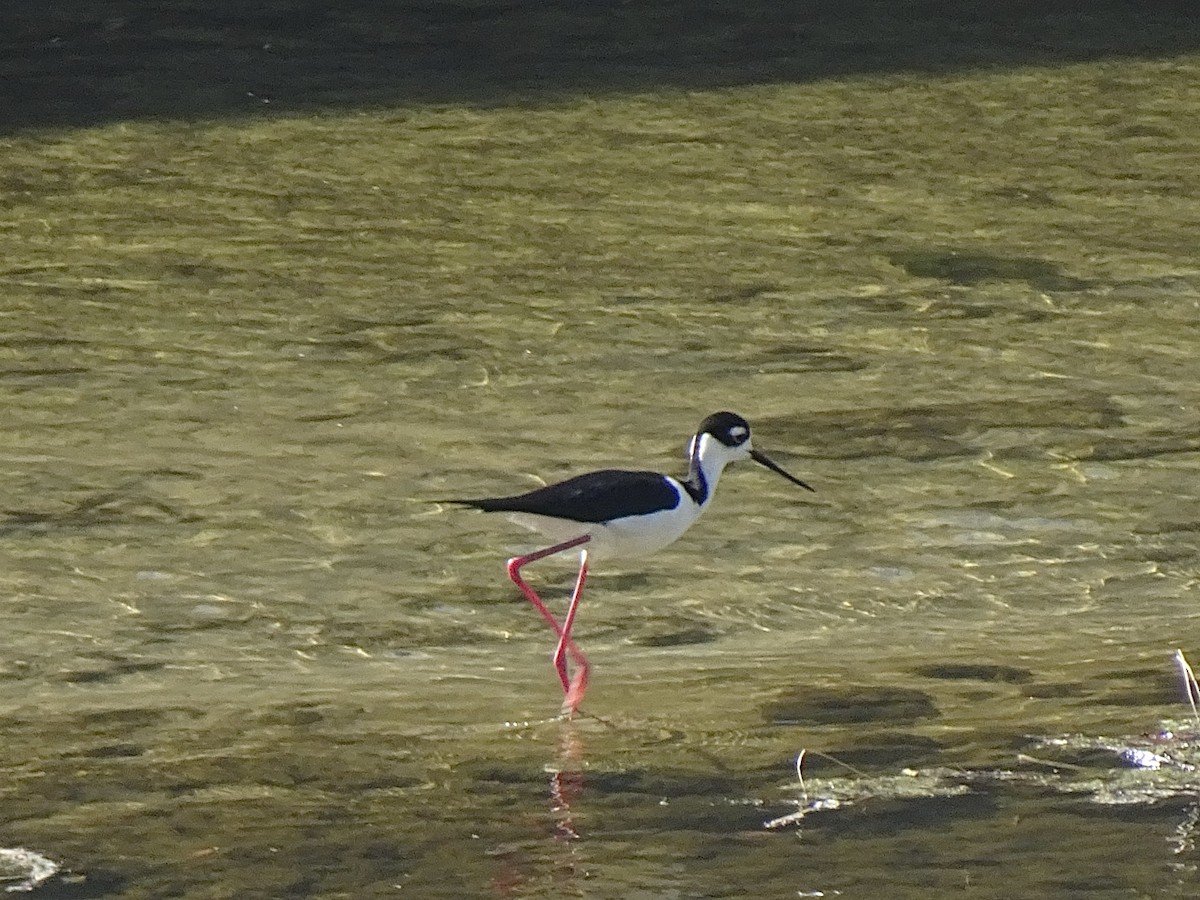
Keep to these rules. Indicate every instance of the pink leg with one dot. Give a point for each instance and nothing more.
(578, 684)
(572, 688)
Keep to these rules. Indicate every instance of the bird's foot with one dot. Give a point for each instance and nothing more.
(575, 692)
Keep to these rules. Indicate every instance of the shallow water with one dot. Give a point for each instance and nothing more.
(245, 657)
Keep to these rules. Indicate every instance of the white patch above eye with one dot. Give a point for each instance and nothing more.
(738, 433)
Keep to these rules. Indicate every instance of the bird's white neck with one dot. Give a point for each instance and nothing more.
(707, 458)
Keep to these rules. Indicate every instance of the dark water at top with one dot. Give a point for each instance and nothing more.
(243, 657)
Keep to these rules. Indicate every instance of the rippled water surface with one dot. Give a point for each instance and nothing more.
(244, 656)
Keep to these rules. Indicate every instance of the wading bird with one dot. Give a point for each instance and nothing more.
(617, 513)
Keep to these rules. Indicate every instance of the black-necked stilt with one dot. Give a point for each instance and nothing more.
(620, 513)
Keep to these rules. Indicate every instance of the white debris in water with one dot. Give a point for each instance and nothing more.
(815, 806)
(32, 868)
(1143, 759)
(841, 793)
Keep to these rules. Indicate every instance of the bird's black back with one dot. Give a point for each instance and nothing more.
(593, 497)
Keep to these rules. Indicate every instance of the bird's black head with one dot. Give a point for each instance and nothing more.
(728, 428)
(732, 432)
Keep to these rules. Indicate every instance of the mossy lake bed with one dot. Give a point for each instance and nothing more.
(271, 281)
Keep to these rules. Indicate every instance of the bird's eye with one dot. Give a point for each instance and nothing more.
(738, 434)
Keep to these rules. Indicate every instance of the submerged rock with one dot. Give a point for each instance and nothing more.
(848, 704)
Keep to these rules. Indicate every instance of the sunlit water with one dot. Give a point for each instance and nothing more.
(245, 657)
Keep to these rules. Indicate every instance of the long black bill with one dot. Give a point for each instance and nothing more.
(765, 460)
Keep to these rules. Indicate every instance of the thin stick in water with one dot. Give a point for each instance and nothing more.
(800, 775)
(1190, 684)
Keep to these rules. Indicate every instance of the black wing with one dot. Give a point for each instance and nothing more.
(593, 497)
